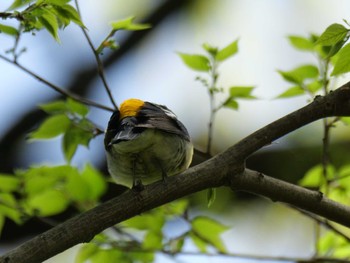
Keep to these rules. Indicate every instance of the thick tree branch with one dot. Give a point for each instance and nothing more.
(225, 169)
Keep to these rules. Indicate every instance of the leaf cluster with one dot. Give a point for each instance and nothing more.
(45, 191)
(124, 24)
(49, 14)
(143, 236)
(332, 53)
(336, 183)
(208, 64)
(67, 118)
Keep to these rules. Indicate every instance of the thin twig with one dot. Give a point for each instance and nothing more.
(56, 88)
(324, 223)
(100, 68)
(213, 75)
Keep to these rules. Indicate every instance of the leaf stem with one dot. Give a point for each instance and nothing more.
(211, 88)
(100, 68)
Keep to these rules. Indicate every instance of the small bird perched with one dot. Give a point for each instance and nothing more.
(145, 142)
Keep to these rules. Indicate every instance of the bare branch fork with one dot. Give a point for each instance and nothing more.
(225, 169)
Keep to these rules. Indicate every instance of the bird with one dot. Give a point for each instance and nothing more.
(145, 142)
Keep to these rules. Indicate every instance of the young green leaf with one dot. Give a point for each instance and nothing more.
(9, 207)
(292, 92)
(19, 3)
(77, 107)
(69, 13)
(176, 208)
(302, 43)
(210, 49)
(2, 222)
(76, 187)
(209, 231)
(231, 103)
(241, 92)
(298, 75)
(77, 134)
(54, 107)
(9, 30)
(49, 21)
(152, 240)
(38, 179)
(211, 196)
(342, 64)
(51, 127)
(52, 2)
(196, 62)
(9, 183)
(332, 35)
(127, 24)
(86, 252)
(314, 177)
(95, 181)
(47, 203)
(199, 242)
(227, 51)
(151, 222)
(314, 86)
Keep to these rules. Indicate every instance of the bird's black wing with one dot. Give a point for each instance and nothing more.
(156, 116)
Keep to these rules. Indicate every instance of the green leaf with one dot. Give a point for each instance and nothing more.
(199, 243)
(51, 127)
(54, 107)
(345, 120)
(152, 240)
(292, 92)
(78, 134)
(127, 24)
(9, 30)
(241, 92)
(2, 222)
(210, 49)
(8, 183)
(176, 208)
(329, 243)
(344, 176)
(227, 51)
(86, 252)
(300, 74)
(231, 103)
(95, 182)
(19, 3)
(76, 187)
(38, 179)
(49, 21)
(196, 62)
(9, 207)
(68, 12)
(314, 86)
(314, 177)
(302, 43)
(342, 65)
(153, 221)
(209, 231)
(332, 35)
(211, 196)
(77, 107)
(48, 203)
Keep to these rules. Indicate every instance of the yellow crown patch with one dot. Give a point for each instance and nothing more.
(130, 108)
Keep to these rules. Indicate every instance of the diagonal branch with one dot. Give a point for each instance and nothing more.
(61, 91)
(225, 169)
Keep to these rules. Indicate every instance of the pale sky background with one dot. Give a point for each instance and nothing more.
(154, 72)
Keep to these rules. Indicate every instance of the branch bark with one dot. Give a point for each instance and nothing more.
(224, 169)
